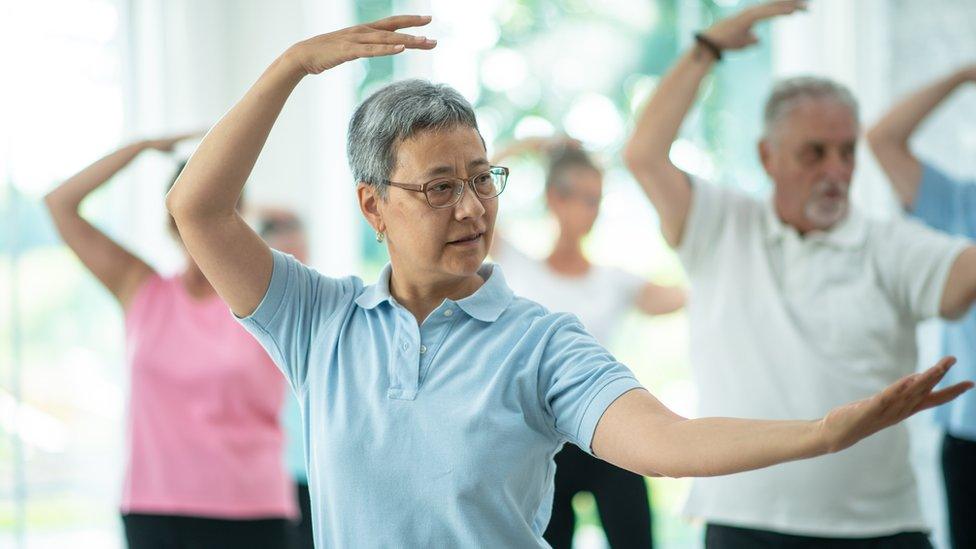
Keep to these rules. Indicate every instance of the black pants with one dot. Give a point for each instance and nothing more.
(621, 499)
(730, 537)
(179, 532)
(302, 529)
(959, 470)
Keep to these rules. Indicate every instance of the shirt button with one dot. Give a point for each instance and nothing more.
(405, 345)
(449, 312)
(423, 349)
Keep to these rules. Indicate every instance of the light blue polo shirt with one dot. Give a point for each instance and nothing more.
(439, 435)
(950, 206)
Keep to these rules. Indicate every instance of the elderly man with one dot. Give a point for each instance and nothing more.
(797, 303)
(948, 205)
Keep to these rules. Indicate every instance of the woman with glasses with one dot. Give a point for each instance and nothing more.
(434, 400)
(566, 281)
(204, 465)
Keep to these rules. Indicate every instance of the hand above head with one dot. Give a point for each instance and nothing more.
(735, 32)
(325, 51)
(846, 425)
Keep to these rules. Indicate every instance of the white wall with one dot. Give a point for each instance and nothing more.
(191, 61)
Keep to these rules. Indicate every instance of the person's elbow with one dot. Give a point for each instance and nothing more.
(881, 141)
(641, 164)
(181, 205)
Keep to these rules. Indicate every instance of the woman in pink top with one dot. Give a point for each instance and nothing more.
(204, 464)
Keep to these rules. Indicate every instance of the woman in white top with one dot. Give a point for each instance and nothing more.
(566, 281)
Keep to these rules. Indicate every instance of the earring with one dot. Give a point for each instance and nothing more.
(380, 237)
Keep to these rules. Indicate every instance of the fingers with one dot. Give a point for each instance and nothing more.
(377, 50)
(931, 377)
(400, 22)
(938, 398)
(389, 37)
(774, 9)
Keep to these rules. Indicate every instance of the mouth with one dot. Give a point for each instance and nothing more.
(469, 240)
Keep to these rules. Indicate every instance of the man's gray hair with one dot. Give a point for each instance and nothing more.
(394, 113)
(788, 93)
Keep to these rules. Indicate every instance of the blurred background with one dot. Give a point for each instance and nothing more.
(82, 77)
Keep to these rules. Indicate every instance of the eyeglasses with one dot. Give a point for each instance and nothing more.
(447, 192)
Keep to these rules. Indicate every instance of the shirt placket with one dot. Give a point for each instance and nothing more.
(405, 367)
(432, 335)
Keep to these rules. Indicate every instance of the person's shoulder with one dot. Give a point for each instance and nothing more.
(716, 200)
(532, 316)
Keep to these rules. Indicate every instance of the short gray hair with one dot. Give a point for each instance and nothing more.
(396, 112)
(788, 93)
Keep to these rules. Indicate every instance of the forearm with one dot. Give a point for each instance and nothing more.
(897, 126)
(66, 197)
(214, 177)
(659, 123)
(721, 446)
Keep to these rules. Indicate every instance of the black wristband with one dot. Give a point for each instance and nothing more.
(709, 45)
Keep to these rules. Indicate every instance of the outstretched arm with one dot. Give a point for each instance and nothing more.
(647, 151)
(118, 269)
(640, 434)
(889, 137)
(203, 200)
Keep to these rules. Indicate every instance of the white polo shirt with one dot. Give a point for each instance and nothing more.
(600, 298)
(788, 327)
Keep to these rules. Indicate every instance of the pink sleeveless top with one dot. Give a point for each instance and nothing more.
(204, 432)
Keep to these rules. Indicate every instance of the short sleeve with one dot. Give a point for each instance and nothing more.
(578, 380)
(944, 203)
(712, 209)
(913, 262)
(298, 304)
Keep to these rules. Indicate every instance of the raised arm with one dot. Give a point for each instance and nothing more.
(118, 269)
(203, 200)
(959, 293)
(646, 153)
(640, 434)
(889, 137)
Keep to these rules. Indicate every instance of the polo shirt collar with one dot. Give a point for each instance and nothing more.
(486, 304)
(850, 233)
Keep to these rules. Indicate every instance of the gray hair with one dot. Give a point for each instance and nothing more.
(787, 94)
(394, 113)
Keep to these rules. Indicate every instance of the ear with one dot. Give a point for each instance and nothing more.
(369, 204)
(552, 196)
(766, 154)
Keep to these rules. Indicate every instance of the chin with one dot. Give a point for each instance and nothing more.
(466, 266)
(825, 217)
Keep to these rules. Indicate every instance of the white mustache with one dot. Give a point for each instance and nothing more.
(825, 186)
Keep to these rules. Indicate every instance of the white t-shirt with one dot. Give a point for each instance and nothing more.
(787, 327)
(599, 298)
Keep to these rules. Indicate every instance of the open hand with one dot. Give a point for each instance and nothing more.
(375, 39)
(735, 32)
(845, 425)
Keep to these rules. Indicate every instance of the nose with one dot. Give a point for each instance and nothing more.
(470, 206)
(839, 167)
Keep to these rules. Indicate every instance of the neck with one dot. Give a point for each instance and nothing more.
(567, 256)
(420, 298)
(798, 221)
